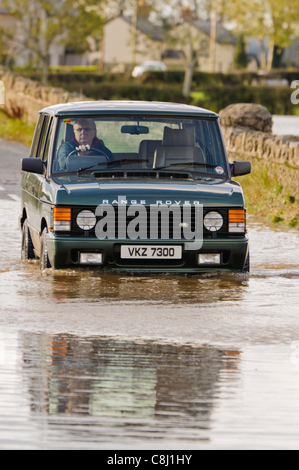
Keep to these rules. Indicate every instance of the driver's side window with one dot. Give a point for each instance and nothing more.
(43, 135)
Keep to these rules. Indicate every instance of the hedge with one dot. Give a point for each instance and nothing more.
(212, 91)
(59, 78)
(276, 100)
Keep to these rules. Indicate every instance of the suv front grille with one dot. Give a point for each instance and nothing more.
(222, 233)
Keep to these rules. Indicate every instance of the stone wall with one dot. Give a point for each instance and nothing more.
(247, 130)
(24, 98)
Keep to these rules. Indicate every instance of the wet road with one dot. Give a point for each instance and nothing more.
(92, 360)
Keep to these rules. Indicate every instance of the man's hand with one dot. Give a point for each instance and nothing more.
(83, 150)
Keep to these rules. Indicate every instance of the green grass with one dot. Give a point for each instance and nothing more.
(266, 197)
(198, 96)
(16, 130)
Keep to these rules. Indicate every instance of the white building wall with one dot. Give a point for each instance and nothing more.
(117, 41)
(118, 44)
(224, 59)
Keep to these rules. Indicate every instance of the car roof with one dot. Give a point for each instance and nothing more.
(123, 107)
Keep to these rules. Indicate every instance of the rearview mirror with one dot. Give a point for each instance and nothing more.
(240, 168)
(134, 130)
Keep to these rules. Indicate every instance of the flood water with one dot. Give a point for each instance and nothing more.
(90, 360)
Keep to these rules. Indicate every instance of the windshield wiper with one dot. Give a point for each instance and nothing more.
(115, 163)
(185, 164)
(126, 161)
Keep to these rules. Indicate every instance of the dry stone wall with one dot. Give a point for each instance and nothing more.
(24, 98)
(247, 130)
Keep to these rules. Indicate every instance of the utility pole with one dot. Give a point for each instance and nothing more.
(213, 35)
(102, 40)
(134, 32)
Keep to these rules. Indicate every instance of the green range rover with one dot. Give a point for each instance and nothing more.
(132, 186)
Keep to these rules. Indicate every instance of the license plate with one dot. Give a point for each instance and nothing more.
(150, 252)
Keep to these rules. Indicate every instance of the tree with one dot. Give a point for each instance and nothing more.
(189, 39)
(240, 61)
(42, 22)
(274, 21)
(277, 57)
(6, 46)
(177, 19)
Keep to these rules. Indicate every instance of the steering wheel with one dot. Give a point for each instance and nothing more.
(92, 148)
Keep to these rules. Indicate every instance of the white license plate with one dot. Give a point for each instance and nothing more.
(150, 252)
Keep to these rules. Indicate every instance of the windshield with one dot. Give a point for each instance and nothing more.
(88, 144)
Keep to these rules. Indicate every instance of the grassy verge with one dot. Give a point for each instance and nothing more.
(266, 197)
(16, 130)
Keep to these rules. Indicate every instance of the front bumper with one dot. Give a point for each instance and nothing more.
(64, 252)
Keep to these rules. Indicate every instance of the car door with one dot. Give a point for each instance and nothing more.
(42, 182)
(28, 181)
(35, 182)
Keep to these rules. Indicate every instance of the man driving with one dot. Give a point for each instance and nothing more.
(85, 139)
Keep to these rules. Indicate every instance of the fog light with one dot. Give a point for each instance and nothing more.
(91, 258)
(209, 258)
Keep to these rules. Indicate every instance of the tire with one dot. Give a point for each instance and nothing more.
(27, 245)
(246, 268)
(44, 262)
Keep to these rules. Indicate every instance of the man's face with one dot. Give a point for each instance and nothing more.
(85, 131)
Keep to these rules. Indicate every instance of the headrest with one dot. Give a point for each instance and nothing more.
(69, 133)
(149, 145)
(178, 137)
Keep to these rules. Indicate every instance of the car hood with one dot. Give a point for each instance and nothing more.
(74, 190)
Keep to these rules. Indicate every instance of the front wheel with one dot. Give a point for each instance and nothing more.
(27, 245)
(44, 262)
(246, 268)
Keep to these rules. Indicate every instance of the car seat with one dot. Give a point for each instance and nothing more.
(178, 146)
(147, 150)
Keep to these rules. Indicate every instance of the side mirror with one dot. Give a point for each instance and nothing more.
(33, 165)
(240, 168)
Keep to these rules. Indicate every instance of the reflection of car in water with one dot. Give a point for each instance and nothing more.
(128, 186)
(111, 379)
(99, 286)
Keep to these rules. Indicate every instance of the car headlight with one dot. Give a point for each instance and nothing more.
(86, 220)
(213, 221)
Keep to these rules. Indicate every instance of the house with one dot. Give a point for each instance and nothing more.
(289, 58)
(200, 32)
(58, 54)
(7, 20)
(121, 46)
(151, 44)
(224, 49)
(7, 46)
(118, 41)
